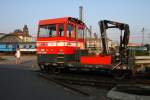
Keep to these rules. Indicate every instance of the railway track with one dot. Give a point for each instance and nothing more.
(67, 80)
(64, 84)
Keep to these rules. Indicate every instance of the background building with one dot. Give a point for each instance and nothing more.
(95, 44)
(17, 36)
(2, 34)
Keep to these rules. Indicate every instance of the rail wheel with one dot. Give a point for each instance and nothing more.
(120, 74)
(56, 70)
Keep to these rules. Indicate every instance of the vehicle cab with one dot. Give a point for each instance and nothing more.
(59, 39)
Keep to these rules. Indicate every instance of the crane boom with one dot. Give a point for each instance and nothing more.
(124, 37)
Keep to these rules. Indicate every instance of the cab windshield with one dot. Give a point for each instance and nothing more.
(47, 31)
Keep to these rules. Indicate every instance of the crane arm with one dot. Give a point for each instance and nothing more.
(124, 37)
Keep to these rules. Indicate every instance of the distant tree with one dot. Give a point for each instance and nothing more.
(17, 31)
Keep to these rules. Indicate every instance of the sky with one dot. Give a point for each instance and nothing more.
(14, 14)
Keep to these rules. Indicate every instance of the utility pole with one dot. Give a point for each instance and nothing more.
(143, 36)
(90, 32)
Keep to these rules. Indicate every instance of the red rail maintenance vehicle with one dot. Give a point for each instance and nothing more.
(61, 44)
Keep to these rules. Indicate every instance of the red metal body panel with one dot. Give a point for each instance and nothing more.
(56, 50)
(56, 45)
(101, 60)
(53, 21)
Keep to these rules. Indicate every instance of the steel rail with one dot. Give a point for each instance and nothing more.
(64, 84)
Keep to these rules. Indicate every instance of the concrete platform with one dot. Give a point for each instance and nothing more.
(130, 92)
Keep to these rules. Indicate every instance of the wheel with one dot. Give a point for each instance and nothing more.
(56, 70)
(120, 74)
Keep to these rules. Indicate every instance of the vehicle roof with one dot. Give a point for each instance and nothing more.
(59, 20)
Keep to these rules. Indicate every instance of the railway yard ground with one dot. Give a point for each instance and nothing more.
(25, 82)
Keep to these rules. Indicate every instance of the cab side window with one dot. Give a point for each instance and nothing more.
(80, 31)
(70, 31)
(47, 31)
(52, 31)
(61, 30)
